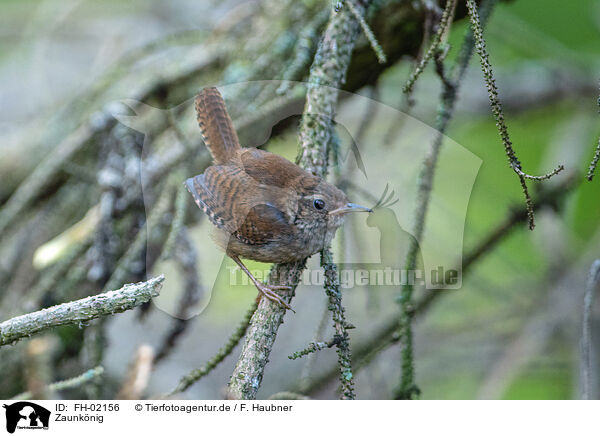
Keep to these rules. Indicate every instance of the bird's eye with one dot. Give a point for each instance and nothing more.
(319, 204)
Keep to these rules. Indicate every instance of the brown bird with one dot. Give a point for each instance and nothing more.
(264, 207)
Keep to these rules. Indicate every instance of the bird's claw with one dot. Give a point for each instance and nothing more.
(280, 287)
(269, 292)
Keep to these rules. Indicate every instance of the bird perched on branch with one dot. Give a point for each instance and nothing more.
(265, 207)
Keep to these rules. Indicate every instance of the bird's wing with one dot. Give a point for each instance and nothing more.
(235, 202)
(273, 170)
(264, 223)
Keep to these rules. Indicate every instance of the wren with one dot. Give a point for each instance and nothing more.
(264, 207)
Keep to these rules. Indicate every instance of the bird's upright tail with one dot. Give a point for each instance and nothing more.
(216, 126)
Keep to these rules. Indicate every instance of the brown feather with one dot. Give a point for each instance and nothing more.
(238, 204)
(216, 126)
(264, 206)
(273, 170)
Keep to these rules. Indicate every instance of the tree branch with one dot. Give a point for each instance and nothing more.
(71, 383)
(80, 311)
(594, 163)
(341, 339)
(408, 388)
(496, 106)
(329, 68)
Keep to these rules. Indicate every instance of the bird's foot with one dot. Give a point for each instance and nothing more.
(269, 292)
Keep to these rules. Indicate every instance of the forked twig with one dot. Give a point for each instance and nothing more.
(490, 83)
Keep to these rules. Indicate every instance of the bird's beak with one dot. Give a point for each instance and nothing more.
(350, 207)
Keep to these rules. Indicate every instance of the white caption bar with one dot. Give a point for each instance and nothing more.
(293, 417)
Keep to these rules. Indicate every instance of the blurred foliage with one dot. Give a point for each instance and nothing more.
(508, 286)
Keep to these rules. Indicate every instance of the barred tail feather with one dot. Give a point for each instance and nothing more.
(216, 126)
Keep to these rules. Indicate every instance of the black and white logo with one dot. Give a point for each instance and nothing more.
(26, 415)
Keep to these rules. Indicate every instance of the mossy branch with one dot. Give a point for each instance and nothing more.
(594, 163)
(490, 83)
(595, 159)
(80, 311)
(313, 347)
(62, 385)
(443, 26)
(407, 388)
(341, 339)
(327, 75)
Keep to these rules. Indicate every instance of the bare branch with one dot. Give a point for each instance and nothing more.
(80, 311)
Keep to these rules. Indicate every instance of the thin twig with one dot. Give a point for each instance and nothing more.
(80, 311)
(304, 51)
(381, 57)
(407, 101)
(490, 83)
(520, 172)
(594, 163)
(180, 206)
(595, 159)
(313, 347)
(443, 26)
(62, 385)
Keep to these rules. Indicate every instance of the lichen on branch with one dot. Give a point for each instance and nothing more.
(80, 311)
(327, 76)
